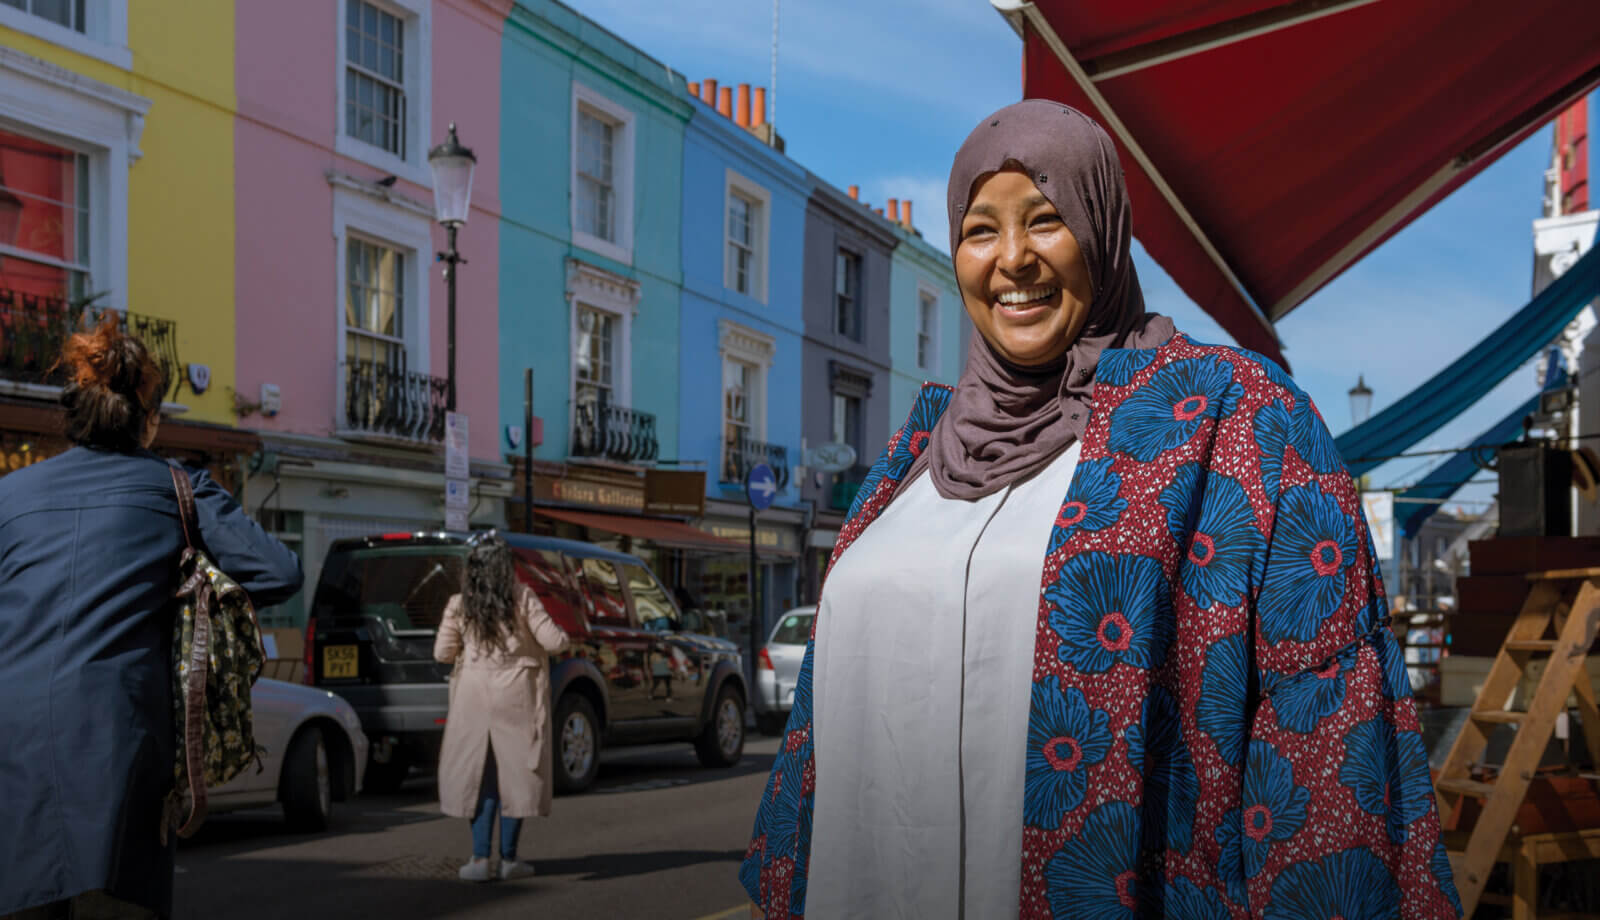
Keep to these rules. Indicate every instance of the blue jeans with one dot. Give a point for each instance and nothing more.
(488, 808)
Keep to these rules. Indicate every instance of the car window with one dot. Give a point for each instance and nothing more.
(605, 591)
(406, 585)
(650, 600)
(545, 571)
(793, 629)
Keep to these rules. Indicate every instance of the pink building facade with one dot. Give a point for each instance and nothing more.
(341, 306)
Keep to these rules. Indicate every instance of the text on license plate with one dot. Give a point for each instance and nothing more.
(339, 661)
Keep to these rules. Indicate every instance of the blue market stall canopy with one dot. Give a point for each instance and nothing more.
(1454, 389)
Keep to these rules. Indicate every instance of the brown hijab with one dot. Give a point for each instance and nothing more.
(1006, 422)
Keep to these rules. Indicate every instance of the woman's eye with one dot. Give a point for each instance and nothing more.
(1047, 220)
(976, 230)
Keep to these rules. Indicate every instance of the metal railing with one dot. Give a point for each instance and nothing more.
(34, 329)
(845, 486)
(744, 453)
(613, 433)
(384, 400)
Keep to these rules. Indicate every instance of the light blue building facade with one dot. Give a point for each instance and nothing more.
(592, 135)
(926, 321)
(740, 334)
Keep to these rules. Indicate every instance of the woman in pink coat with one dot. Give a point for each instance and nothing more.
(496, 757)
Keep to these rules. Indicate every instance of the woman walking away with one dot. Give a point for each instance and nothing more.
(1104, 635)
(89, 548)
(496, 759)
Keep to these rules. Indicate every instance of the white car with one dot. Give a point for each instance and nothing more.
(778, 668)
(316, 754)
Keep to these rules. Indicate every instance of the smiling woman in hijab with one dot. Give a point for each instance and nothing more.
(1104, 635)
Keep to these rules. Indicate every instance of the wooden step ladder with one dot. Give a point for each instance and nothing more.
(1557, 624)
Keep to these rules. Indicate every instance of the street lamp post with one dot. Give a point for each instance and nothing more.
(1360, 401)
(452, 166)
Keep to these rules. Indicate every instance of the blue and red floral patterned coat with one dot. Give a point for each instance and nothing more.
(1221, 722)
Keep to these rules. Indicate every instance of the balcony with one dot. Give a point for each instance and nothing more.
(740, 456)
(606, 432)
(843, 491)
(392, 404)
(34, 329)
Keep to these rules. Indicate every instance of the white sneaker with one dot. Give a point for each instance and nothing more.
(475, 871)
(513, 869)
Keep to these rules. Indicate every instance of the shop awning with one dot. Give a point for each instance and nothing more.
(1270, 145)
(1469, 378)
(663, 533)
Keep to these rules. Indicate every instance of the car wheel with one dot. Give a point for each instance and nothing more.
(577, 753)
(721, 744)
(307, 782)
(771, 723)
(386, 778)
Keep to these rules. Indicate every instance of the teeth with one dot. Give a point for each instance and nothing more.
(1012, 298)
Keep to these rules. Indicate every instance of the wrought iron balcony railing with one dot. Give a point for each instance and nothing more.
(34, 329)
(845, 486)
(739, 456)
(384, 400)
(613, 433)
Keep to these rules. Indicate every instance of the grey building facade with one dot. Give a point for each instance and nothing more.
(845, 357)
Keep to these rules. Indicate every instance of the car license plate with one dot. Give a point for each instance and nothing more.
(339, 661)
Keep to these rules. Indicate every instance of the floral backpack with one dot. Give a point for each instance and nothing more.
(217, 656)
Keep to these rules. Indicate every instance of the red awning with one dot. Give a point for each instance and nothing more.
(668, 534)
(1270, 145)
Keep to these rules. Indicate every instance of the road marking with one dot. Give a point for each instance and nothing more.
(741, 910)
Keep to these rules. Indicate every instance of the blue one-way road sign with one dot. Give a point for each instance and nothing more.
(761, 486)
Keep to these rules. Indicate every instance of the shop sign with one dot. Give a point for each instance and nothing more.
(675, 492)
(782, 539)
(586, 492)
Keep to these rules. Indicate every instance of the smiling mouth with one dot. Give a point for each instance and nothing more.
(1025, 299)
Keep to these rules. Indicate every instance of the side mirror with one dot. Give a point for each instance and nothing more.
(693, 622)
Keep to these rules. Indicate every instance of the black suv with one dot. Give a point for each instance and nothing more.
(637, 671)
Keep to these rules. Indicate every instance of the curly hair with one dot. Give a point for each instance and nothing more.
(113, 387)
(488, 591)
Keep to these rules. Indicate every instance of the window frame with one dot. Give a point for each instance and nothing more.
(100, 121)
(597, 289)
(104, 38)
(628, 620)
(417, 16)
(928, 296)
(760, 201)
(623, 123)
(844, 256)
(359, 211)
(757, 351)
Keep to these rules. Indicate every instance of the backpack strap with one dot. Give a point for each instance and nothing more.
(194, 689)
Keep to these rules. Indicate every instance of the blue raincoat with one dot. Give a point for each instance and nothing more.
(89, 544)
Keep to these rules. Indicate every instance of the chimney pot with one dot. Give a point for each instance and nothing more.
(894, 210)
(694, 89)
(759, 116)
(725, 102)
(742, 111)
(880, 211)
(855, 192)
(905, 214)
(709, 92)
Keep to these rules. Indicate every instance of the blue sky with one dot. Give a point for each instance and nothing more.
(880, 93)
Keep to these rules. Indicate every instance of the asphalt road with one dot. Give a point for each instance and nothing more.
(659, 836)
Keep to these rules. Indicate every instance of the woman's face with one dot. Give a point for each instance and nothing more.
(1022, 277)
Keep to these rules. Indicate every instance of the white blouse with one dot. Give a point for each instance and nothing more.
(922, 680)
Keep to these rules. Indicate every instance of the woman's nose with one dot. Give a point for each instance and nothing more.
(1015, 253)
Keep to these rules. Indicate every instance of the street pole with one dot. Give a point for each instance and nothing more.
(451, 259)
(527, 450)
(755, 599)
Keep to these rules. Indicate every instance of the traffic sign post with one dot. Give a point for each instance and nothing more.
(760, 487)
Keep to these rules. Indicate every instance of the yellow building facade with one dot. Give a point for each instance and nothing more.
(117, 129)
